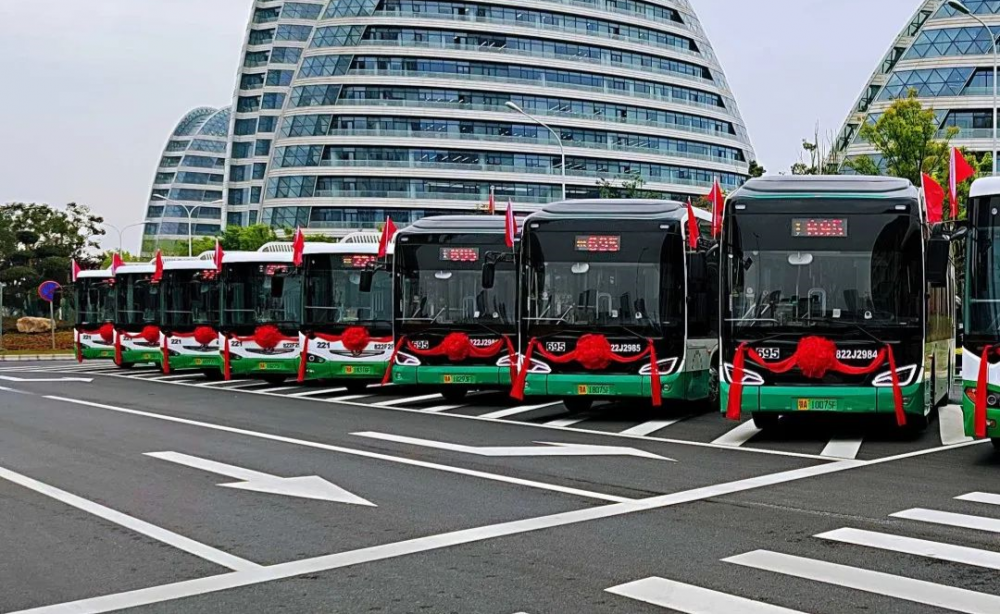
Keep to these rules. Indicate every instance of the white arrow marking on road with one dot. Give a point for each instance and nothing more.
(11, 378)
(307, 487)
(552, 449)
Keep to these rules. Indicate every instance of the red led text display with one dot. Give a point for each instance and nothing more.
(460, 254)
(598, 243)
(358, 261)
(802, 227)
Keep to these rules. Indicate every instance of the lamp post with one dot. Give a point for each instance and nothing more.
(562, 150)
(2, 286)
(189, 209)
(121, 232)
(961, 8)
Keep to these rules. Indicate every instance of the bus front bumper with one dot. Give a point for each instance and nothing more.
(345, 370)
(211, 362)
(832, 399)
(677, 386)
(264, 366)
(136, 357)
(97, 353)
(452, 375)
(969, 414)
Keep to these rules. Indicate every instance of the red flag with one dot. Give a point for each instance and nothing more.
(693, 232)
(718, 200)
(388, 232)
(934, 197)
(958, 171)
(158, 272)
(219, 255)
(75, 271)
(510, 225)
(298, 247)
(492, 206)
(116, 262)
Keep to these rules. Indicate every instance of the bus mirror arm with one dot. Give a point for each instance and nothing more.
(490, 267)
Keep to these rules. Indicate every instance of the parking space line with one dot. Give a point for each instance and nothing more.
(351, 397)
(418, 399)
(739, 435)
(692, 599)
(564, 422)
(981, 497)
(312, 393)
(236, 384)
(139, 526)
(843, 448)
(875, 582)
(951, 422)
(170, 378)
(513, 411)
(917, 547)
(440, 408)
(355, 452)
(278, 389)
(648, 428)
(950, 519)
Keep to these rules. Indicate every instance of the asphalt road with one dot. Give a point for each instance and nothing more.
(148, 494)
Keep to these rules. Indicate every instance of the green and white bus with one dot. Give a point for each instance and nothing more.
(453, 331)
(347, 317)
(981, 312)
(836, 297)
(190, 317)
(616, 305)
(138, 338)
(94, 298)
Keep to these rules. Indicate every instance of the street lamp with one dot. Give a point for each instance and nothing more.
(189, 209)
(562, 150)
(121, 232)
(961, 8)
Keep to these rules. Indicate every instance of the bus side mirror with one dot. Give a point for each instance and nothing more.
(366, 281)
(938, 258)
(489, 275)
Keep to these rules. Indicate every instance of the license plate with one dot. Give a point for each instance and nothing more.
(358, 370)
(198, 361)
(459, 379)
(817, 404)
(147, 357)
(262, 366)
(585, 389)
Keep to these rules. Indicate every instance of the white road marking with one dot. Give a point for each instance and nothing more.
(312, 393)
(234, 384)
(648, 428)
(951, 422)
(544, 448)
(222, 382)
(907, 589)
(179, 376)
(918, 547)
(692, 599)
(981, 497)
(11, 378)
(564, 422)
(739, 435)
(6, 389)
(202, 586)
(437, 409)
(278, 389)
(419, 399)
(349, 397)
(139, 526)
(843, 448)
(362, 453)
(950, 519)
(307, 487)
(513, 411)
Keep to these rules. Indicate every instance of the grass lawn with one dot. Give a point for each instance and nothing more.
(41, 343)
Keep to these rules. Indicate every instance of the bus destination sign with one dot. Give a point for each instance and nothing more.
(810, 227)
(598, 243)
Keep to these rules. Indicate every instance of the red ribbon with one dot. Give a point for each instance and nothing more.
(118, 349)
(392, 360)
(812, 366)
(79, 348)
(227, 372)
(166, 355)
(982, 388)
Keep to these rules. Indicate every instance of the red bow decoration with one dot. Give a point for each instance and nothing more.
(355, 340)
(457, 347)
(815, 357)
(107, 332)
(151, 334)
(267, 337)
(205, 335)
(982, 389)
(594, 353)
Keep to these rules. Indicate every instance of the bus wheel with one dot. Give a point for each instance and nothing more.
(713, 387)
(356, 387)
(577, 404)
(765, 420)
(274, 379)
(917, 424)
(212, 374)
(126, 365)
(454, 394)
(996, 444)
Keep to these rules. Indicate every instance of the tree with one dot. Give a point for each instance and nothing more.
(631, 186)
(756, 170)
(906, 137)
(126, 257)
(814, 159)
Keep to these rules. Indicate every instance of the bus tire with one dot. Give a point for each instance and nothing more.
(356, 387)
(765, 420)
(917, 424)
(212, 374)
(274, 379)
(577, 404)
(454, 394)
(713, 386)
(125, 365)
(996, 444)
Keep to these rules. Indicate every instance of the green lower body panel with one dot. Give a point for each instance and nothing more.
(839, 399)
(969, 413)
(681, 386)
(346, 370)
(135, 357)
(472, 376)
(211, 362)
(264, 366)
(103, 353)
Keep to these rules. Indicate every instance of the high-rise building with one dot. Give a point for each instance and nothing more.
(347, 111)
(189, 179)
(947, 57)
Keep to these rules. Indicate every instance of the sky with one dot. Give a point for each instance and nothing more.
(93, 89)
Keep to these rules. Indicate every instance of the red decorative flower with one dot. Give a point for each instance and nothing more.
(356, 339)
(815, 356)
(107, 332)
(267, 337)
(593, 352)
(205, 335)
(456, 347)
(151, 334)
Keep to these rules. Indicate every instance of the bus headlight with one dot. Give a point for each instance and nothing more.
(407, 360)
(907, 375)
(750, 378)
(665, 366)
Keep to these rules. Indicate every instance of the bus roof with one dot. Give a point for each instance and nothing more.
(262, 257)
(187, 264)
(617, 209)
(343, 248)
(136, 268)
(830, 186)
(987, 186)
(95, 274)
(454, 224)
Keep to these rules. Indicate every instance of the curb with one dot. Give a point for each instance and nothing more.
(36, 357)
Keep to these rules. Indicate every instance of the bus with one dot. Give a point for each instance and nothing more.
(981, 313)
(190, 318)
(837, 297)
(616, 305)
(261, 314)
(138, 338)
(94, 296)
(453, 331)
(347, 315)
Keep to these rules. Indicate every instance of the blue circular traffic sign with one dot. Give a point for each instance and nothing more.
(48, 290)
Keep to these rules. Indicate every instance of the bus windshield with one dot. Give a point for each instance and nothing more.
(138, 300)
(982, 312)
(95, 301)
(333, 292)
(798, 271)
(191, 298)
(628, 279)
(256, 293)
(443, 284)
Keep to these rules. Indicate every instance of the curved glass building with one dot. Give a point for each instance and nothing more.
(347, 111)
(189, 178)
(947, 57)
